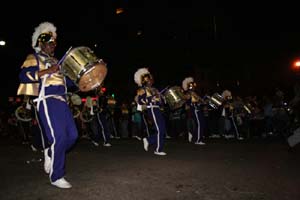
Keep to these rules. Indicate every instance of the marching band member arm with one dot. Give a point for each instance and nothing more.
(141, 96)
(28, 75)
(30, 71)
(50, 70)
(156, 99)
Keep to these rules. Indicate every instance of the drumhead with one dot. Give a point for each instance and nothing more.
(93, 78)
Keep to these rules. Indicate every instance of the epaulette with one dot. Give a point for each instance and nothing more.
(30, 61)
(140, 91)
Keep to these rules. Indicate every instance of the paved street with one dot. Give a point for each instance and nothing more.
(220, 170)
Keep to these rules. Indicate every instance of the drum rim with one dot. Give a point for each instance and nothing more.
(86, 69)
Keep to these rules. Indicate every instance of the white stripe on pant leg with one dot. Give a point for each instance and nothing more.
(235, 127)
(199, 126)
(42, 98)
(158, 131)
(52, 134)
(102, 129)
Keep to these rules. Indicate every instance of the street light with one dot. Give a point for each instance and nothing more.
(2, 43)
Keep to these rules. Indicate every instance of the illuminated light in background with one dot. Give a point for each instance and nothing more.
(2, 43)
(103, 89)
(93, 98)
(296, 65)
(119, 11)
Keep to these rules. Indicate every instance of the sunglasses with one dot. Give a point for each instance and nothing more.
(47, 38)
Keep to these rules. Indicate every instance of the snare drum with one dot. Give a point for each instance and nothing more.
(174, 97)
(215, 101)
(83, 67)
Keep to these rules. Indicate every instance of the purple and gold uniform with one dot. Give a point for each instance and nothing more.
(53, 109)
(149, 97)
(194, 103)
(54, 112)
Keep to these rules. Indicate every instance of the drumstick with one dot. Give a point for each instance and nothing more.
(164, 89)
(62, 59)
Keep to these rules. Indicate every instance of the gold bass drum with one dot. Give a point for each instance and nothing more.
(174, 97)
(83, 67)
(215, 101)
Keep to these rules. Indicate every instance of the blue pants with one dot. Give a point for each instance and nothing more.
(61, 131)
(160, 128)
(103, 125)
(199, 125)
(39, 135)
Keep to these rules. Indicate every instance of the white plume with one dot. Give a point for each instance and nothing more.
(43, 27)
(226, 93)
(186, 82)
(138, 75)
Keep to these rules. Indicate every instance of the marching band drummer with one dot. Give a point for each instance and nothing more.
(41, 68)
(194, 103)
(101, 118)
(227, 119)
(150, 97)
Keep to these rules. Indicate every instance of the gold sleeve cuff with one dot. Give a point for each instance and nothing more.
(140, 92)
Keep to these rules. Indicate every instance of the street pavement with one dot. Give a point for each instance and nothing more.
(220, 170)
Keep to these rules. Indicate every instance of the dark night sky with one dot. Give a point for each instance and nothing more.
(177, 40)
